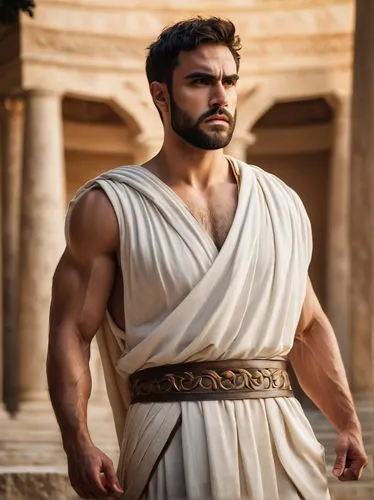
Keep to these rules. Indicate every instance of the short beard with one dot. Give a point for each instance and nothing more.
(190, 132)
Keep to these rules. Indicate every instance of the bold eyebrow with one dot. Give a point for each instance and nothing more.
(234, 77)
(210, 76)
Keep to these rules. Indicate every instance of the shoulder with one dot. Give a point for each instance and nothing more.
(92, 205)
(267, 179)
(274, 187)
(263, 175)
(92, 226)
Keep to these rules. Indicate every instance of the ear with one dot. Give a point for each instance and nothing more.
(160, 96)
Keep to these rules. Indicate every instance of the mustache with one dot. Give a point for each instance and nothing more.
(215, 111)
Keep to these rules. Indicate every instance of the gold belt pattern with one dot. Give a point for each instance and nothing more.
(205, 381)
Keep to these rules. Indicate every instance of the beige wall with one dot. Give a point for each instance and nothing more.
(81, 167)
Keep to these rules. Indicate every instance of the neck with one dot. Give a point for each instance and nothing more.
(185, 164)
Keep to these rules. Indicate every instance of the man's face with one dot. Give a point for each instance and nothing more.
(203, 97)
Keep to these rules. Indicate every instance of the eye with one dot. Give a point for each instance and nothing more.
(230, 82)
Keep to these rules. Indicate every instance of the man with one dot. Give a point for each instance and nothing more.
(203, 261)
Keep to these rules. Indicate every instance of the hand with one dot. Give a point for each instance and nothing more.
(91, 473)
(351, 458)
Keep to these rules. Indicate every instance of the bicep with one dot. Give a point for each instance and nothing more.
(84, 277)
(80, 292)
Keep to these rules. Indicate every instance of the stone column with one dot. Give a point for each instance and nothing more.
(338, 260)
(362, 201)
(11, 192)
(238, 147)
(42, 236)
(1, 260)
(145, 148)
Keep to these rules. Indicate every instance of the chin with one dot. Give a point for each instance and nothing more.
(214, 145)
(222, 139)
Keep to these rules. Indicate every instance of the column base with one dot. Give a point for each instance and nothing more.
(4, 415)
(33, 438)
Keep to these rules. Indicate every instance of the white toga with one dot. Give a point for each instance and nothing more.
(186, 301)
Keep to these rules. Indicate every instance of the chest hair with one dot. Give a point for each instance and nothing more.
(215, 212)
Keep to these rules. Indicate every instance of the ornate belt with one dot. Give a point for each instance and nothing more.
(213, 380)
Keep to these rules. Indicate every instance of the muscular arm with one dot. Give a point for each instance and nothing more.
(81, 288)
(319, 368)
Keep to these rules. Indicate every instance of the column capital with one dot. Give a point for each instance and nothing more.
(239, 145)
(340, 101)
(146, 147)
(42, 93)
(148, 140)
(247, 139)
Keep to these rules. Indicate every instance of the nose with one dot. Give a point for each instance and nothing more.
(218, 96)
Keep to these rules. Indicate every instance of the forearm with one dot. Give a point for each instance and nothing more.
(69, 382)
(319, 368)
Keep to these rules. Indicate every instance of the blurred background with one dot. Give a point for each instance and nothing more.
(74, 102)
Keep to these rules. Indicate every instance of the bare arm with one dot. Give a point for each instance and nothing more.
(81, 289)
(319, 368)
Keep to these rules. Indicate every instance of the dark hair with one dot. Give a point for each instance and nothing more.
(187, 35)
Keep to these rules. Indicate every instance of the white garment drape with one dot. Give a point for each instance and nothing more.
(186, 301)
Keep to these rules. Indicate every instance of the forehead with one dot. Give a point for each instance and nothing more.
(210, 58)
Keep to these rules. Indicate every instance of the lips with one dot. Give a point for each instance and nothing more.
(222, 118)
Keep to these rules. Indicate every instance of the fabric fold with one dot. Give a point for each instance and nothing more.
(183, 302)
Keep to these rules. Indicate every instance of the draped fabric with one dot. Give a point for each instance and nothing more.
(185, 300)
